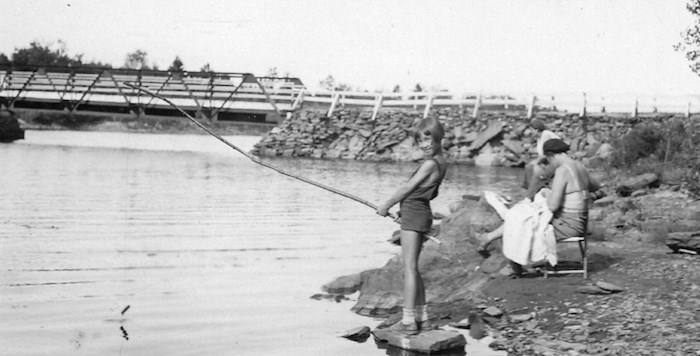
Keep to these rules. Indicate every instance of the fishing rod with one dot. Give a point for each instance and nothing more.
(264, 164)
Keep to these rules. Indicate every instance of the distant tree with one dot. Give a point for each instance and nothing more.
(329, 83)
(177, 65)
(343, 87)
(690, 43)
(4, 60)
(47, 55)
(41, 55)
(137, 60)
(418, 88)
(206, 68)
(397, 89)
(271, 72)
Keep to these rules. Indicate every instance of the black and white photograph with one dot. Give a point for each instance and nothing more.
(343, 178)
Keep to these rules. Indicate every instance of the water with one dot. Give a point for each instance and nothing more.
(142, 244)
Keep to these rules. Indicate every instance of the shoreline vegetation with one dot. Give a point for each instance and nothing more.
(655, 308)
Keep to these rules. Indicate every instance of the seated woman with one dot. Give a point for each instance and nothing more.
(569, 197)
(567, 200)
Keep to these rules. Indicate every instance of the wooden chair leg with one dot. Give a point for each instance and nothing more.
(585, 258)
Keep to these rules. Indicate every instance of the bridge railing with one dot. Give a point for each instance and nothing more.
(529, 103)
(210, 92)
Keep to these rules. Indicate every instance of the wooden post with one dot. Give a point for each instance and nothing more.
(687, 110)
(336, 97)
(583, 107)
(377, 106)
(299, 100)
(476, 106)
(635, 113)
(531, 108)
(428, 104)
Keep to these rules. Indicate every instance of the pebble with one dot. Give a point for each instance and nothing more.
(493, 311)
(575, 311)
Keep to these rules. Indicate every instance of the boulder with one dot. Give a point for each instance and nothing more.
(477, 327)
(359, 334)
(514, 146)
(493, 311)
(424, 342)
(609, 286)
(344, 285)
(684, 241)
(604, 151)
(494, 129)
(591, 289)
(450, 269)
(630, 185)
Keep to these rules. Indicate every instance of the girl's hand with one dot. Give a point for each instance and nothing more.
(382, 210)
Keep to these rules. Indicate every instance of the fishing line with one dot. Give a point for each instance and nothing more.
(264, 164)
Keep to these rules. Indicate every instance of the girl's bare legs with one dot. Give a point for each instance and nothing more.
(414, 289)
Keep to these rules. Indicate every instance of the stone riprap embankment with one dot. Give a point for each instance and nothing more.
(491, 139)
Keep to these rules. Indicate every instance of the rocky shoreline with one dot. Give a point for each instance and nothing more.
(656, 313)
(492, 139)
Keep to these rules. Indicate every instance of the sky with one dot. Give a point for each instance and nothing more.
(468, 46)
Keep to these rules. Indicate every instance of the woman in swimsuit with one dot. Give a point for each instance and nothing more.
(416, 219)
(568, 199)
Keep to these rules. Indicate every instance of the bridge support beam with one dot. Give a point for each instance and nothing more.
(210, 115)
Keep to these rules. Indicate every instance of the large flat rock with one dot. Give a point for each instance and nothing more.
(494, 129)
(689, 241)
(425, 341)
(639, 182)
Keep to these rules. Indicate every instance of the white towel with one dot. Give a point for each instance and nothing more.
(528, 235)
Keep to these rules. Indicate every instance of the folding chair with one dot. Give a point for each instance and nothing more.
(583, 247)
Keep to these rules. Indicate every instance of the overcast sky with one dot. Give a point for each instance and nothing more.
(465, 46)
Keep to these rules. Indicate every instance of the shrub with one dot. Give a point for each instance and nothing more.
(641, 142)
(670, 149)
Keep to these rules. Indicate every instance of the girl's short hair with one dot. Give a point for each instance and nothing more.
(431, 127)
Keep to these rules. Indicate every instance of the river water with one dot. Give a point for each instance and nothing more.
(148, 244)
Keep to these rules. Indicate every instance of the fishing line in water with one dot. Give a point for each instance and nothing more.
(258, 161)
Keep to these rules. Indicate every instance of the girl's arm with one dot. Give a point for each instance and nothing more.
(425, 170)
(556, 196)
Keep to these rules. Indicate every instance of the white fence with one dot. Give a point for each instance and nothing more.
(581, 103)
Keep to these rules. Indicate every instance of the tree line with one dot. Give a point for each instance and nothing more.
(39, 54)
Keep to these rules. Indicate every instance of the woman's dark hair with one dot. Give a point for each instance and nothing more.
(554, 146)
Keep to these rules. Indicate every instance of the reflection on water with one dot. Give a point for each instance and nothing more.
(211, 253)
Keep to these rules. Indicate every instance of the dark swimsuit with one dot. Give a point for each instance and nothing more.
(415, 211)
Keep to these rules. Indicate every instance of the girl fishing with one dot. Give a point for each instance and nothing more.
(416, 219)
